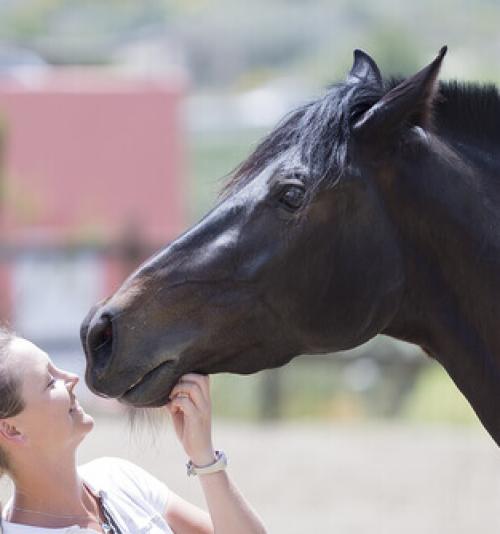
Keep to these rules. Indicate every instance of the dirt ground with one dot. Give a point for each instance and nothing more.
(331, 478)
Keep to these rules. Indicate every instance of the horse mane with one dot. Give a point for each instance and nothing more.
(320, 130)
(469, 112)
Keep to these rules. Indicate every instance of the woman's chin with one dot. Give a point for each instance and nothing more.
(88, 421)
(83, 421)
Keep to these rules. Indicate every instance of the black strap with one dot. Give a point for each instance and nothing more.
(109, 518)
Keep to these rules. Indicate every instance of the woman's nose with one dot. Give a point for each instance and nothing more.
(71, 381)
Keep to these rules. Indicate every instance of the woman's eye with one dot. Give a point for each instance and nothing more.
(52, 381)
(293, 197)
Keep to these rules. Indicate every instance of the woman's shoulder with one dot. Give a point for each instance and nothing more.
(106, 463)
(113, 473)
(110, 468)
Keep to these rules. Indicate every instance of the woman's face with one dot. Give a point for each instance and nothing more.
(52, 418)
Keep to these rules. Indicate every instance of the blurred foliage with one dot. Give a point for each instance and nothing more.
(319, 391)
(212, 157)
(224, 40)
(436, 398)
(30, 19)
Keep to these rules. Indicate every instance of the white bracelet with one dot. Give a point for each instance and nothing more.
(219, 464)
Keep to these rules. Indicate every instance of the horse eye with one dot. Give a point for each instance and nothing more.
(293, 197)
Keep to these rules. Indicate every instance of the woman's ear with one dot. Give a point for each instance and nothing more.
(9, 433)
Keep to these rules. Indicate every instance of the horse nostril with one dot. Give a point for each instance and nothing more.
(100, 340)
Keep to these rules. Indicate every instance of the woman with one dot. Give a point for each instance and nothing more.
(41, 426)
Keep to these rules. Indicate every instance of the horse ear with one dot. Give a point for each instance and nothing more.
(409, 102)
(364, 69)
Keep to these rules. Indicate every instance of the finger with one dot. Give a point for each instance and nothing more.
(178, 419)
(193, 391)
(185, 405)
(186, 385)
(177, 414)
(197, 401)
(203, 382)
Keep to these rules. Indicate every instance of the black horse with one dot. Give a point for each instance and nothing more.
(374, 209)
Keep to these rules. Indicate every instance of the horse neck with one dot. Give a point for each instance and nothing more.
(449, 235)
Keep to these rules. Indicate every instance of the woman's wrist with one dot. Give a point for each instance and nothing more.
(203, 458)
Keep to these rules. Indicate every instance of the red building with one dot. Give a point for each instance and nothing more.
(86, 159)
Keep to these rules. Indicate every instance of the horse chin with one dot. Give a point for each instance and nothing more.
(145, 402)
(153, 389)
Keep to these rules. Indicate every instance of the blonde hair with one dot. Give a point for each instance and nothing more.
(11, 401)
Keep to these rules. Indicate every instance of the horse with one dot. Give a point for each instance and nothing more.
(373, 209)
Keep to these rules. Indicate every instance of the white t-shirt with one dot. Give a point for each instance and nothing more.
(135, 499)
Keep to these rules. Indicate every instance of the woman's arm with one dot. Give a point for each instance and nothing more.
(190, 409)
(186, 518)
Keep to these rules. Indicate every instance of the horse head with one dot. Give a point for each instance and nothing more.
(298, 256)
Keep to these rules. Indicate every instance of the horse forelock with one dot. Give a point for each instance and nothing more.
(316, 133)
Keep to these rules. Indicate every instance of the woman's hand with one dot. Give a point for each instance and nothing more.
(190, 408)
